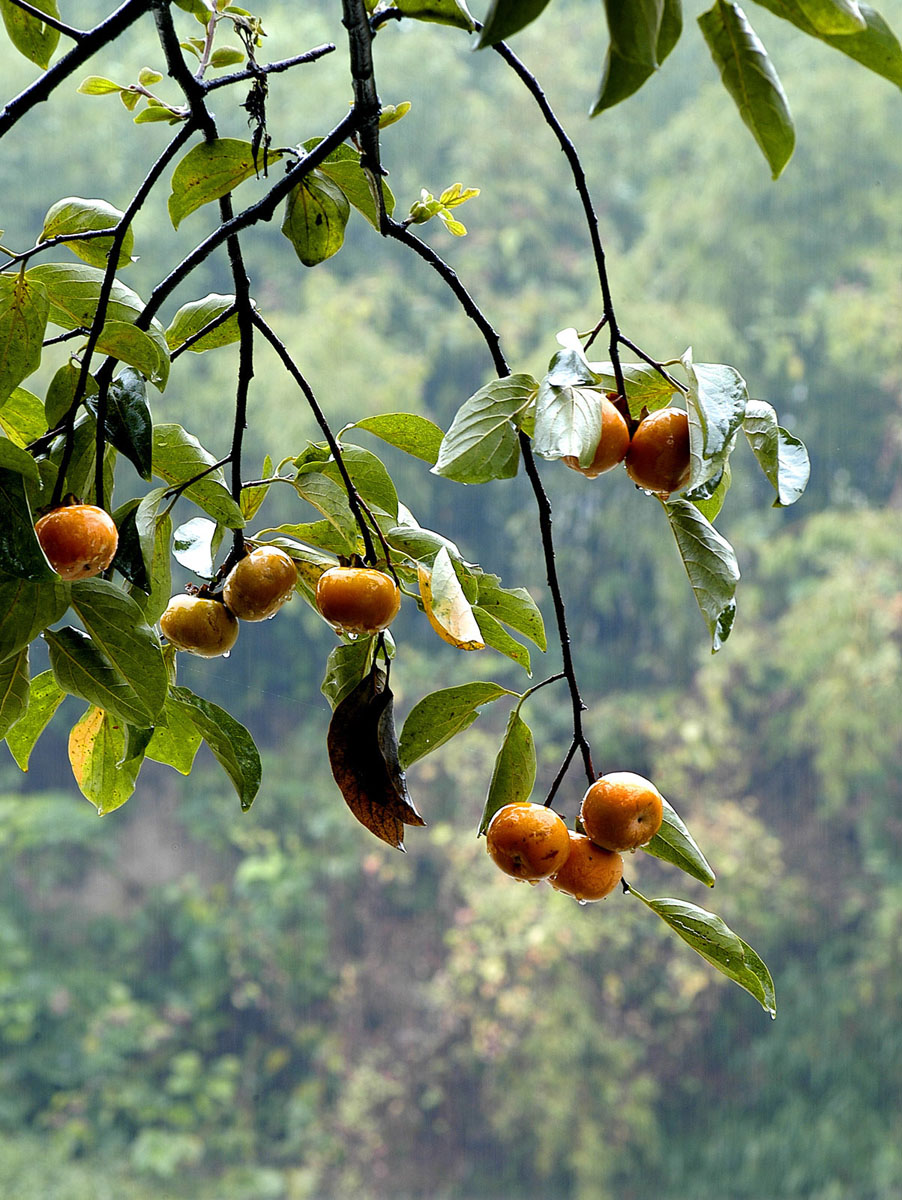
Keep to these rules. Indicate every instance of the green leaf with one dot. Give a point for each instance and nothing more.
(129, 425)
(834, 16)
(369, 476)
(642, 32)
(175, 741)
(316, 213)
(646, 388)
(675, 844)
(568, 422)
(711, 565)
(514, 774)
(131, 345)
(443, 12)
(409, 432)
(782, 457)
(44, 697)
(154, 534)
(441, 715)
(495, 635)
(154, 113)
(76, 215)
(253, 497)
(711, 502)
(346, 666)
(24, 308)
(61, 392)
(229, 741)
(513, 606)
(29, 34)
(716, 405)
(22, 417)
(25, 609)
(325, 535)
(20, 552)
(98, 85)
(74, 292)
(482, 441)
(507, 17)
(226, 56)
(876, 47)
(710, 937)
(177, 457)
(331, 500)
(119, 631)
(421, 545)
(14, 689)
(82, 670)
(191, 318)
(750, 78)
(211, 170)
(342, 166)
(14, 458)
(97, 748)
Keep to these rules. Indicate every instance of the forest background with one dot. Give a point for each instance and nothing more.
(196, 1002)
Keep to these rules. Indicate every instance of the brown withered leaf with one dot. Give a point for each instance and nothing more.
(363, 753)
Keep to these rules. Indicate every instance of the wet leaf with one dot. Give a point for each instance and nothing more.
(20, 551)
(97, 756)
(447, 608)
(482, 441)
(782, 457)
(24, 308)
(229, 741)
(44, 697)
(76, 215)
(410, 432)
(316, 213)
(13, 690)
(514, 774)
(363, 753)
(28, 33)
(675, 844)
(441, 715)
(710, 563)
(208, 171)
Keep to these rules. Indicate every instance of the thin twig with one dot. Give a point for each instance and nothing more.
(653, 363)
(273, 68)
(68, 31)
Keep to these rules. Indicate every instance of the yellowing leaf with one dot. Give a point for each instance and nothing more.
(447, 608)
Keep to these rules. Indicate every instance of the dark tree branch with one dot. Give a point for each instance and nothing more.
(366, 99)
(88, 45)
(273, 68)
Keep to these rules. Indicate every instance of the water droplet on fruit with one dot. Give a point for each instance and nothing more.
(352, 637)
(582, 903)
(227, 654)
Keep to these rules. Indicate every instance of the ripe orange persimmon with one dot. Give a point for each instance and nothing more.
(612, 445)
(258, 585)
(590, 872)
(358, 599)
(80, 540)
(528, 841)
(200, 625)
(658, 456)
(622, 811)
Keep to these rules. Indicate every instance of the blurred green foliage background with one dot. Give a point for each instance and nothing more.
(196, 1003)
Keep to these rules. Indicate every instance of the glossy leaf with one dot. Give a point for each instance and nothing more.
(20, 552)
(74, 293)
(316, 213)
(44, 697)
(342, 166)
(507, 17)
(567, 422)
(231, 744)
(329, 498)
(409, 432)
(493, 634)
(24, 308)
(363, 754)
(514, 773)
(369, 476)
(191, 318)
(782, 457)
(710, 937)
(443, 12)
(675, 844)
(26, 608)
(129, 425)
(716, 405)
(210, 170)
(119, 631)
(642, 34)
(97, 746)
(177, 457)
(711, 565)
(441, 715)
(446, 606)
(750, 78)
(875, 47)
(834, 16)
(710, 504)
(75, 215)
(82, 670)
(482, 441)
(14, 688)
(22, 417)
(175, 741)
(253, 497)
(345, 668)
(14, 458)
(512, 606)
(28, 33)
(194, 545)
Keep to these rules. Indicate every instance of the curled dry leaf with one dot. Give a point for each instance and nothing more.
(363, 753)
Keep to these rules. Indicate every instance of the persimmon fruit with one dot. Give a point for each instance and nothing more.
(258, 585)
(622, 811)
(200, 625)
(590, 872)
(658, 455)
(80, 540)
(358, 599)
(612, 444)
(528, 841)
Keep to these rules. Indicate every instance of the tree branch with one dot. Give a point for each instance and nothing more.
(51, 22)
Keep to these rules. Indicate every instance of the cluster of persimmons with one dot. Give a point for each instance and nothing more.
(656, 455)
